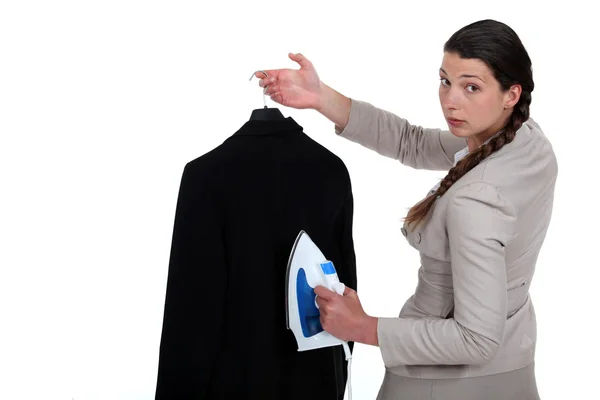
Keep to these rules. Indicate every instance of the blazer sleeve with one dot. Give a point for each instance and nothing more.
(193, 309)
(480, 222)
(394, 137)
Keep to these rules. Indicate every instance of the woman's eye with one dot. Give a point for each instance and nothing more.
(472, 88)
(444, 81)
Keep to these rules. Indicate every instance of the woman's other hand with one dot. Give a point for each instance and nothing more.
(344, 317)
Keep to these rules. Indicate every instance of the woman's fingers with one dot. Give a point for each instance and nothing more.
(271, 89)
(269, 72)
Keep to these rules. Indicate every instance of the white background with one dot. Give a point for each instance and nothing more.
(102, 104)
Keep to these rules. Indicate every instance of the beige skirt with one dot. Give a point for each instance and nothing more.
(513, 385)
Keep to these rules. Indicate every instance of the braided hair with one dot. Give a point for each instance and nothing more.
(497, 45)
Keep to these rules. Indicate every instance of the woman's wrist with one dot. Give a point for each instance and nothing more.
(368, 331)
(334, 106)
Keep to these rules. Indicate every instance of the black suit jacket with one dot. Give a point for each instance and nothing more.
(239, 210)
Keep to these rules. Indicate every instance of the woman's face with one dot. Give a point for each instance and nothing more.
(474, 105)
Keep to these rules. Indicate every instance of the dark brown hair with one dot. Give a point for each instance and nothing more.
(498, 46)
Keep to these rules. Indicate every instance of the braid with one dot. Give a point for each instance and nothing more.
(418, 213)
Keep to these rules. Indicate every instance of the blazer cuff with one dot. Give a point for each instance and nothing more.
(389, 335)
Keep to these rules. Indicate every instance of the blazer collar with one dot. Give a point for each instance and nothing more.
(257, 127)
(522, 135)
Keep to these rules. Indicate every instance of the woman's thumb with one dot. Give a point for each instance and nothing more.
(350, 292)
(300, 59)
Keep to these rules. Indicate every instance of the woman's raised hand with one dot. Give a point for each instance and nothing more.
(296, 88)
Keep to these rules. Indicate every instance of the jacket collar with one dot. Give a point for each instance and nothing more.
(465, 151)
(258, 127)
(523, 134)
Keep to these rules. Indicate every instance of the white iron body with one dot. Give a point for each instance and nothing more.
(307, 269)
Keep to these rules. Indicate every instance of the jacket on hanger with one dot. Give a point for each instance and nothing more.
(239, 209)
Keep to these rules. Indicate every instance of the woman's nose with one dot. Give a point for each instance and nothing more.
(451, 100)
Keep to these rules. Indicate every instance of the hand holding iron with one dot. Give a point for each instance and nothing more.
(344, 317)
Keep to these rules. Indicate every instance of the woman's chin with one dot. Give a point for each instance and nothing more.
(458, 131)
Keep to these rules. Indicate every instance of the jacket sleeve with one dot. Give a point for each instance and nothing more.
(480, 222)
(394, 137)
(193, 309)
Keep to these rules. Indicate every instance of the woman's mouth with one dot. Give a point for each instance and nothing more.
(455, 122)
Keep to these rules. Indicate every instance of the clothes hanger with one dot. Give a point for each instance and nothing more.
(265, 114)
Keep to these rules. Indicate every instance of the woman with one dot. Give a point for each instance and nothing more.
(469, 330)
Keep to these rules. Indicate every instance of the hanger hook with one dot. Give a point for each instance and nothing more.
(265, 89)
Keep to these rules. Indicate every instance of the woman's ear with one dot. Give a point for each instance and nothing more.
(512, 96)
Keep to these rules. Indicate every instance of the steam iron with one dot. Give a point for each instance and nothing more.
(308, 268)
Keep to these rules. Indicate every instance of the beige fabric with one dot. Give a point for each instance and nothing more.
(471, 313)
(514, 385)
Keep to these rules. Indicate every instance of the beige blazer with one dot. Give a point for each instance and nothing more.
(471, 313)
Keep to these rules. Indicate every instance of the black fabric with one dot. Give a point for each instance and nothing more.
(239, 210)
